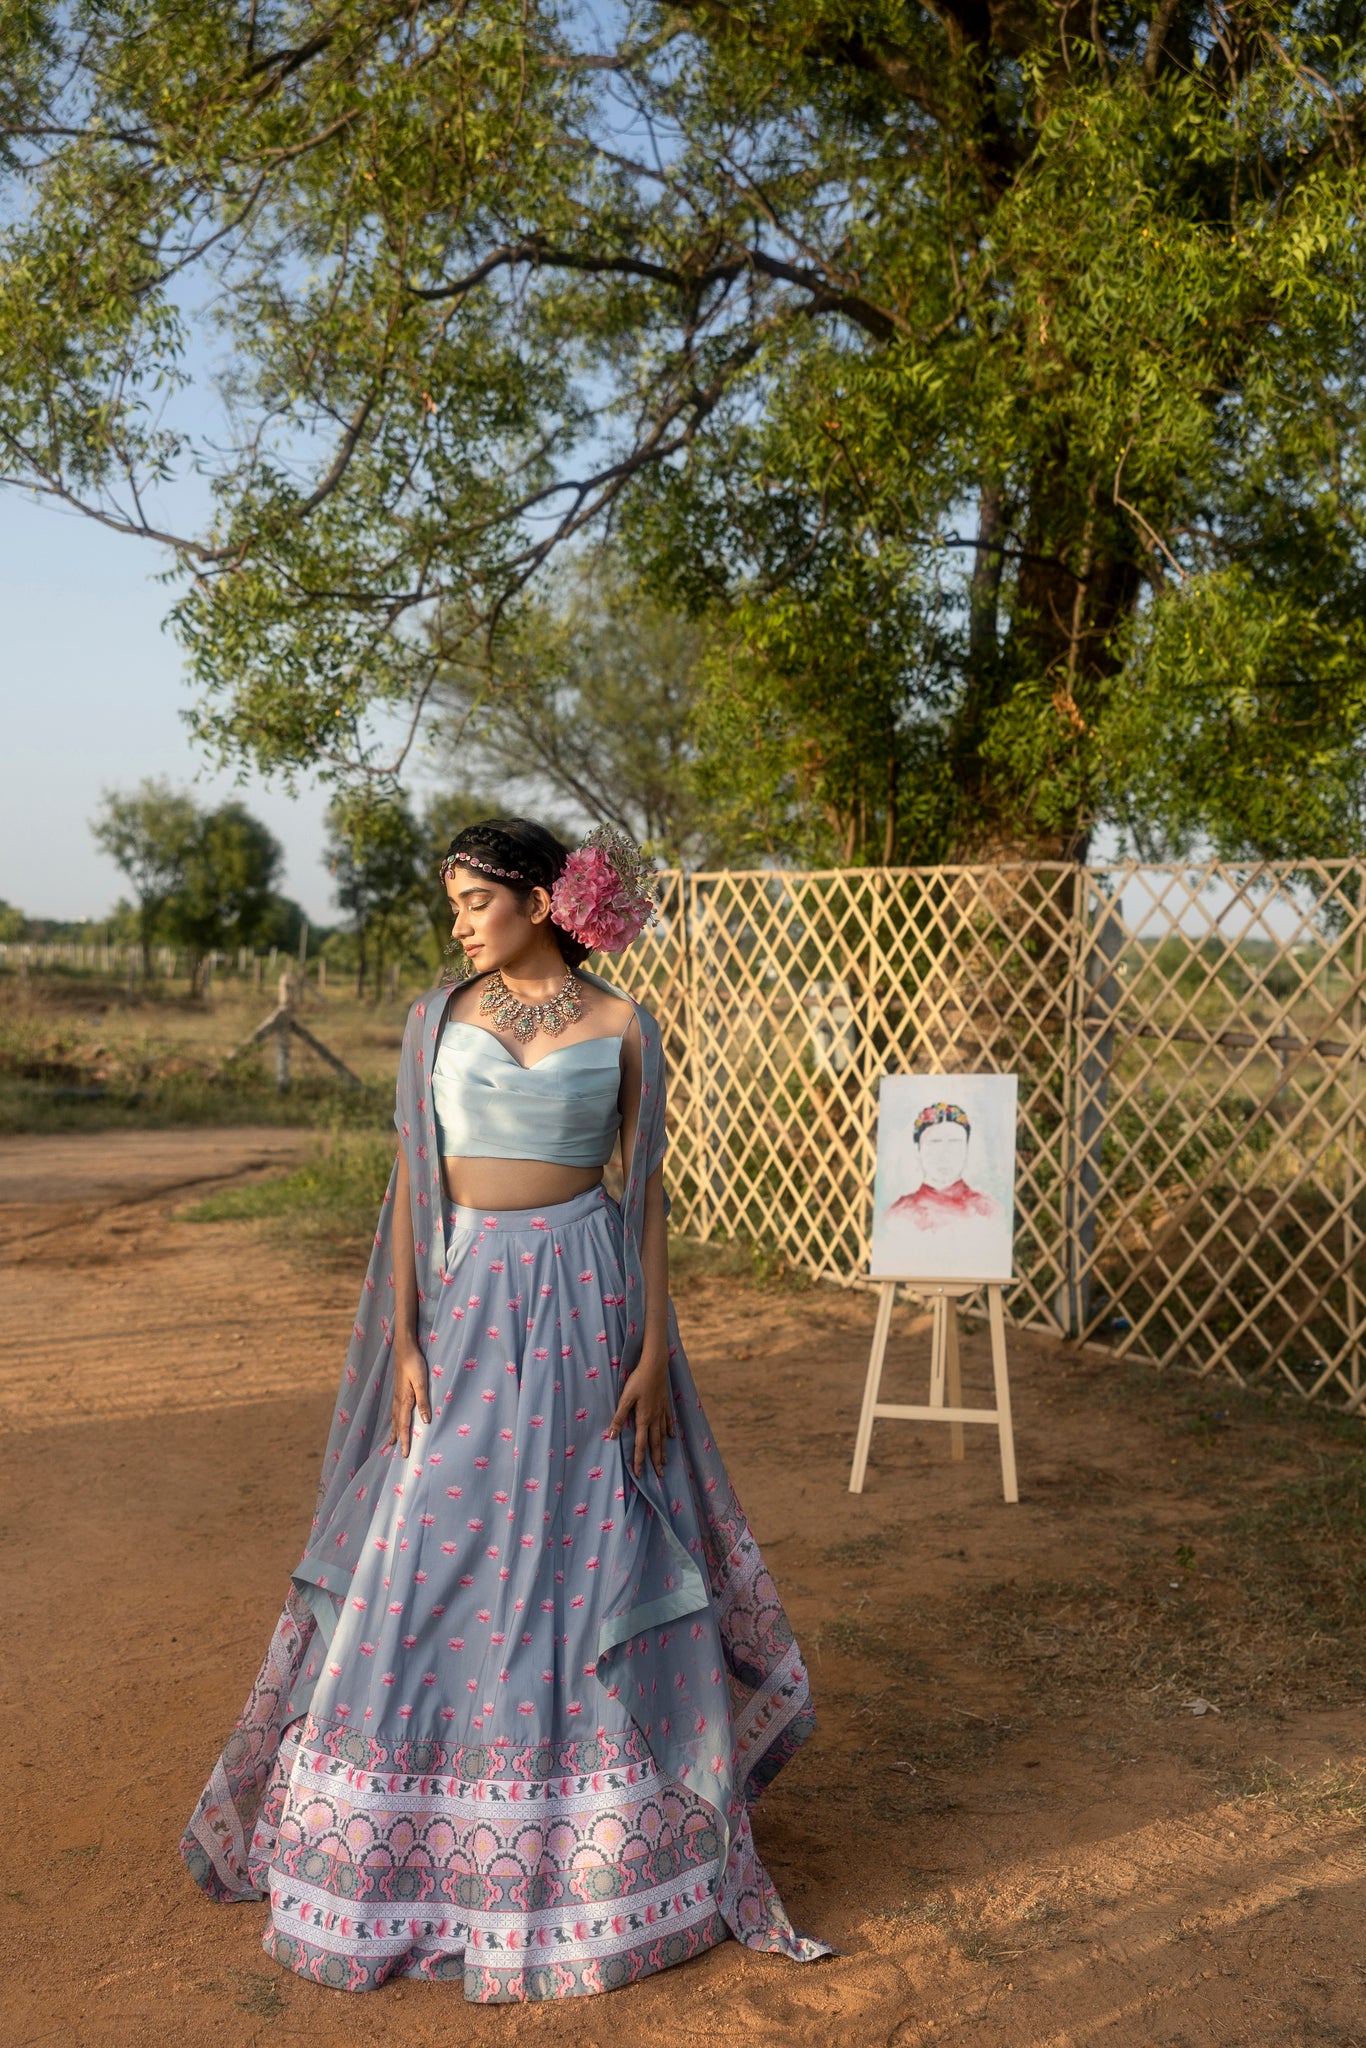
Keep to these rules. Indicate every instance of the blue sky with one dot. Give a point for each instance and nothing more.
(92, 688)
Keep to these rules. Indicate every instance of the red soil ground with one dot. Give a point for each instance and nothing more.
(1009, 1822)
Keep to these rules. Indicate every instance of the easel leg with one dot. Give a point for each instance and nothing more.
(1004, 1425)
(871, 1386)
(954, 1377)
(938, 1348)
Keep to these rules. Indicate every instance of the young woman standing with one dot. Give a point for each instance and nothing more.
(531, 1673)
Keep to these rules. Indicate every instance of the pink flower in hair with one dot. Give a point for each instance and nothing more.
(605, 894)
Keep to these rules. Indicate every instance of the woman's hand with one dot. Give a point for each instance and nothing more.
(410, 1391)
(645, 1397)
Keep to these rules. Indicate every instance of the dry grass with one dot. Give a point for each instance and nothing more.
(325, 1209)
(80, 1054)
(1259, 1602)
(1337, 1792)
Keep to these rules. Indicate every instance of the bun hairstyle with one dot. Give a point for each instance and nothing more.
(522, 856)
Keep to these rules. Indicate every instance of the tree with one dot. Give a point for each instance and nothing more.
(1036, 332)
(376, 854)
(150, 834)
(589, 710)
(226, 893)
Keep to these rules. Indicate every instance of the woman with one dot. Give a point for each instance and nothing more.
(531, 1672)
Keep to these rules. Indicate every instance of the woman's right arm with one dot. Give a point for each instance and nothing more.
(410, 1367)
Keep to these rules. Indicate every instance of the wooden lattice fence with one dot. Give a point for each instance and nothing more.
(1190, 1049)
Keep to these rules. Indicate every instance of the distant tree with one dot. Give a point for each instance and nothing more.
(282, 925)
(12, 923)
(589, 710)
(376, 855)
(226, 895)
(150, 834)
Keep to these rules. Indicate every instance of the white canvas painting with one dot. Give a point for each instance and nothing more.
(944, 1192)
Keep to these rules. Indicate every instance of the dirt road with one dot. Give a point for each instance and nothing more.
(1010, 1842)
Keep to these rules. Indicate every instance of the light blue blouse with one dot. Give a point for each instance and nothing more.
(487, 1105)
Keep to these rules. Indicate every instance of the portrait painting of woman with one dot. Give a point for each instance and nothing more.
(943, 1194)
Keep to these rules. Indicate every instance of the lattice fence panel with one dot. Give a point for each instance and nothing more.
(1189, 1045)
(1223, 1082)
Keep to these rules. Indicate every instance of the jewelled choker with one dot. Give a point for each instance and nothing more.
(524, 1020)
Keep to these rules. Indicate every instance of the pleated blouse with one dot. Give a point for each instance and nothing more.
(563, 1109)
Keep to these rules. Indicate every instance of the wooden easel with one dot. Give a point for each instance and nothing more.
(944, 1296)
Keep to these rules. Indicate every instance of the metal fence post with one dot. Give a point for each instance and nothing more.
(692, 1019)
(1100, 993)
(1355, 1176)
(1064, 1301)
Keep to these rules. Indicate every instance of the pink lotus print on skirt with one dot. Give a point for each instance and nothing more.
(519, 1703)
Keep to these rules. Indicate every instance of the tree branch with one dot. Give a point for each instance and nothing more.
(533, 253)
(1158, 30)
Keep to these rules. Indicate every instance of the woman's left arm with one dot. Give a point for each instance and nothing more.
(645, 1396)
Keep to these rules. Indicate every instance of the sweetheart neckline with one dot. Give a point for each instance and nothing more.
(599, 1038)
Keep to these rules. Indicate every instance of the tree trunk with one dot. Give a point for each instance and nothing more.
(1077, 583)
(985, 678)
(984, 597)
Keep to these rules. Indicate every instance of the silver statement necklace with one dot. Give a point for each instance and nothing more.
(524, 1020)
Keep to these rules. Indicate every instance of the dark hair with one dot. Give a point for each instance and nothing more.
(528, 857)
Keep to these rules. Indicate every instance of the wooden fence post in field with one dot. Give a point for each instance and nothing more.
(283, 1020)
(281, 1025)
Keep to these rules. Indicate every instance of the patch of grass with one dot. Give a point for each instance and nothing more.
(1334, 1792)
(100, 1062)
(1039, 1913)
(1215, 1416)
(1306, 1543)
(869, 1642)
(968, 1936)
(1269, 1627)
(874, 1547)
(163, 1104)
(257, 1993)
(328, 1204)
(740, 1258)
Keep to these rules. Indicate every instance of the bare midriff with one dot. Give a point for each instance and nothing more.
(495, 1184)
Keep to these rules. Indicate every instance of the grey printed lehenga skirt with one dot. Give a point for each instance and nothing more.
(519, 1703)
